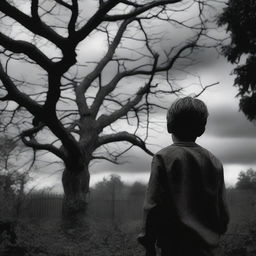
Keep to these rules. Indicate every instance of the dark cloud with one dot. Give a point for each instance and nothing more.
(231, 150)
(230, 123)
(236, 153)
(135, 161)
(230, 136)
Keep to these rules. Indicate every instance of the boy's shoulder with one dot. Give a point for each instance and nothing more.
(171, 150)
(179, 147)
(179, 151)
(171, 153)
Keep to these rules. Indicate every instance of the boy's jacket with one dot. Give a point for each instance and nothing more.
(185, 198)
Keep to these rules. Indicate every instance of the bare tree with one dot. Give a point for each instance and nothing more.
(72, 105)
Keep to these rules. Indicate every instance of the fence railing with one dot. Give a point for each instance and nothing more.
(50, 206)
(242, 205)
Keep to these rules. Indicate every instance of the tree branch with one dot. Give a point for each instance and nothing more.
(19, 46)
(61, 2)
(86, 83)
(53, 93)
(14, 94)
(124, 136)
(134, 4)
(73, 19)
(34, 10)
(104, 158)
(33, 24)
(95, 20)
(139, 10)
(205, 88)
(102, 63)
(105, 120)
(105, 90)
(49, 118)
(32, 142)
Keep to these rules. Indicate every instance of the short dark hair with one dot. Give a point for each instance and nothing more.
(187, 117)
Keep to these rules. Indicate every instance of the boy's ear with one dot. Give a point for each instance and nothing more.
(201, 132)
(169, 128)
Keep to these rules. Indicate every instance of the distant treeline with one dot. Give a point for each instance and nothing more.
(112, 199)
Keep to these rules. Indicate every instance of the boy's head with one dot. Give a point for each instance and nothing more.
(186, 118)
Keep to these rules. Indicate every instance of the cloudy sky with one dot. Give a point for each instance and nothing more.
(229, 135)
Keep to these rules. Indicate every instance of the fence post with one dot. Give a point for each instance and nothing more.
(113, 201)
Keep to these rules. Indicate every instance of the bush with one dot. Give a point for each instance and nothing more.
(247, 180)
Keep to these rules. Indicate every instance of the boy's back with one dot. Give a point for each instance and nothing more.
(186, 195)
(185, 209)
(193, 179)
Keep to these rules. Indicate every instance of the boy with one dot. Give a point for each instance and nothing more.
(185, 210)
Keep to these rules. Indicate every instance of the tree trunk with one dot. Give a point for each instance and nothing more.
(76, 188)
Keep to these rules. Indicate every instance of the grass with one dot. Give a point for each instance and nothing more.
(101, 237)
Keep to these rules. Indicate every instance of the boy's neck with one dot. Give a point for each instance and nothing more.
(175, 139)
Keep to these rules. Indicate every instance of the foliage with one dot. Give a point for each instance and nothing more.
(12, 178)
(137, 189)
(247, 180)
(12, 181)
(109, 187)
(11, 193)
(240, 17)
(105, 188)
(7, 145)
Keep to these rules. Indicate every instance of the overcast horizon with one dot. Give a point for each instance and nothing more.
(229, 135)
